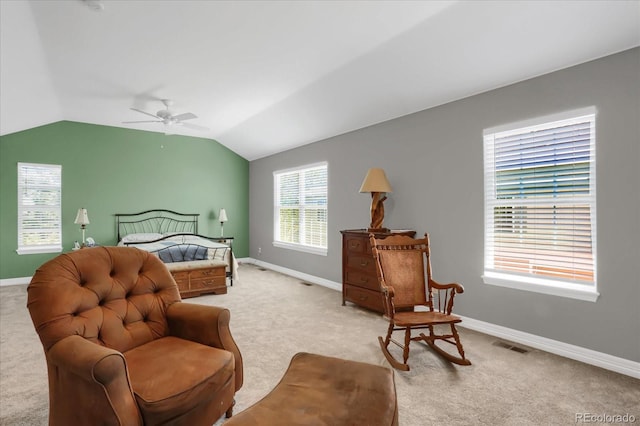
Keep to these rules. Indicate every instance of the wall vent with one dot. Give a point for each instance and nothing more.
(510, 346)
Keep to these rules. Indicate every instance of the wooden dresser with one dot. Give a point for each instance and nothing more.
(199, 277)
(359, 280)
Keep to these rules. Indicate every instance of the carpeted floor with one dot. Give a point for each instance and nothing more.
(275, 316)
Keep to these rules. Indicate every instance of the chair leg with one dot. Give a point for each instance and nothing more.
(384, 346)
(229, 412)
(389, 332)
(454, 331)
(407, 340)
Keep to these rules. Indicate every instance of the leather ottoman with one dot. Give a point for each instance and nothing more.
(321, 390)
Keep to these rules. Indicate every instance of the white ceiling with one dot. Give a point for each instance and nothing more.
(266, 76)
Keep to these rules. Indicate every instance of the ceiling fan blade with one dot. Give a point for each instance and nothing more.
(195, 127)
(143, 121)
(147, 113)
(185, 116)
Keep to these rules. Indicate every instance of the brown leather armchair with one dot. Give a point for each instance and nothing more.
(121, 347)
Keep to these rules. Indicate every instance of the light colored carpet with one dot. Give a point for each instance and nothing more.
(274, 316)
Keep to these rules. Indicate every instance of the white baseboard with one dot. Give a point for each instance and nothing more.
(14, 281)
(293, 273)
(578, 353)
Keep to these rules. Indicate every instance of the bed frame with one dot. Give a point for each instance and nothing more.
(162, 221)
(158, 221)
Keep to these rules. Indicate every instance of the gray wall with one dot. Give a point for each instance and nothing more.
(434, 162)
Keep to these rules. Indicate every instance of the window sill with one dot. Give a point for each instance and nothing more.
(299, 247)
(554, 288)
(39, 250)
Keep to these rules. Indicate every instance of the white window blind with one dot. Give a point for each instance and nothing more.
(301, 208)
(39, 208)
(540, 203)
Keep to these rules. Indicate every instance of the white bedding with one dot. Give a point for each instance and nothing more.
(217, 251)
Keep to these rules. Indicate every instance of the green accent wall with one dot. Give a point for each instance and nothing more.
(111, 170)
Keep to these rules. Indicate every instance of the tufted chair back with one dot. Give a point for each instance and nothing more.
(115, 297)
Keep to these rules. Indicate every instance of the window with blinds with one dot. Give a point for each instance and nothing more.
(301, 208)
(540, 204)
(39, 208)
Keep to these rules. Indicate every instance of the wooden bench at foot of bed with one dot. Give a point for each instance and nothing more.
(199, 277)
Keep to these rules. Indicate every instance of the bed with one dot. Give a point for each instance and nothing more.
(199, 264)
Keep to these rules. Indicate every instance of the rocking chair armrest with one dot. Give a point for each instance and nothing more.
(458, 287)
(387, 291)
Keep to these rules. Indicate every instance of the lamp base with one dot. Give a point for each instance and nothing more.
(377, 210)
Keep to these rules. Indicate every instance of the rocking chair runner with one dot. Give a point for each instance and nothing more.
(403, 266)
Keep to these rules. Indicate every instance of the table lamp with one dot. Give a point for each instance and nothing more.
(82, 219)
(377, 184)
(222, 217)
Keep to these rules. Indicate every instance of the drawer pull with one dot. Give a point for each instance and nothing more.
(364, 263)
(364, 279)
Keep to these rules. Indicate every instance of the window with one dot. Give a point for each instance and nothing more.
(540, 205)
(301, 208)
(39, 208)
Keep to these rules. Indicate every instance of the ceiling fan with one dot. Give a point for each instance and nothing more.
(166, 117)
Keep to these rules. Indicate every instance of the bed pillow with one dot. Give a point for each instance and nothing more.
(140, 238)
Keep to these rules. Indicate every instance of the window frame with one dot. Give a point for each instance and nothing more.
(21, 207)
(533, 282)
(318, 250)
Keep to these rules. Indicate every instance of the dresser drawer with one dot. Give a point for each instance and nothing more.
(364, 263)
(367, 298)
(356, 244)
(360, 279)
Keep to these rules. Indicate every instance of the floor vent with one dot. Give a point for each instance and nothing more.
(510, 347)
(305, 283)
(262, 269)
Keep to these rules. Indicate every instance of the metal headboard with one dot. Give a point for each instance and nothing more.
(158, 221)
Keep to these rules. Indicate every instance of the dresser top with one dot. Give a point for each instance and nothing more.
(383, 231)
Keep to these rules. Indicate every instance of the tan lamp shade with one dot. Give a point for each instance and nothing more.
(82, 218)
(375, 181)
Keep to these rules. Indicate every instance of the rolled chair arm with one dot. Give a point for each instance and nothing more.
(82, 366)
(208, 325)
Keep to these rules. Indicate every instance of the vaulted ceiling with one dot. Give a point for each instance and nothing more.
(266, 76)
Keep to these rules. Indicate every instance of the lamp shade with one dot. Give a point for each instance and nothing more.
(375, 181)
(82, 218)
(222, 216)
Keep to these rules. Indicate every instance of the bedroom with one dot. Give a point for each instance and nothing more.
(114, 170)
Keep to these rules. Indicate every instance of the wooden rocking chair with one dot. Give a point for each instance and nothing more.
(403, 266)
